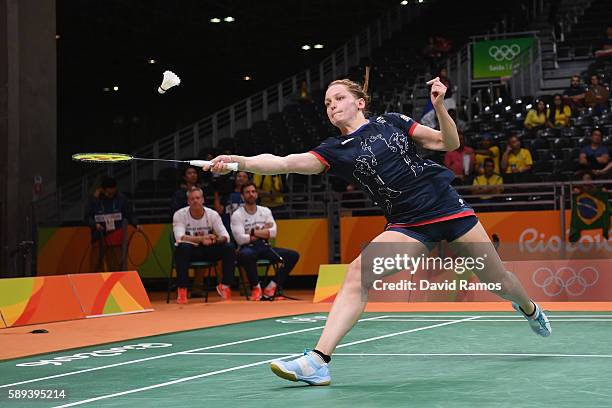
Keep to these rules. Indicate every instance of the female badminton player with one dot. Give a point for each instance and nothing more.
(379, 154)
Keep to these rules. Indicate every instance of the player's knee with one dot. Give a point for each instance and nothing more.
(353, 274)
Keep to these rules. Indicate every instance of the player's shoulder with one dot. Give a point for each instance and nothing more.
(393, 117)
(330, 141)
(327, 145)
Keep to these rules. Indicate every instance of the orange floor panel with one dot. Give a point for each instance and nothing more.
(167, 318)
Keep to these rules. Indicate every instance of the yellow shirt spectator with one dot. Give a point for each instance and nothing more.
(270, 188)
(484, 181)
(480, 158)
(561, 118)
(519, 161)
(535, 119)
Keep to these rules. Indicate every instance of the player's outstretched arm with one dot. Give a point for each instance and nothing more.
(301, 163)
(446, 138)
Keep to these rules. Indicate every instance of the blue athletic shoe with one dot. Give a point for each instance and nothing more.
(307, 368)
(539, 322)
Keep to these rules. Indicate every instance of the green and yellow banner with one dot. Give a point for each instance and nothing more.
(590, 210)
(498, 58)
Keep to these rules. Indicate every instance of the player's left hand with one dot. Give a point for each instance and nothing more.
(438, 90)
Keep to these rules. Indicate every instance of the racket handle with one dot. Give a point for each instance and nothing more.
(202, 163)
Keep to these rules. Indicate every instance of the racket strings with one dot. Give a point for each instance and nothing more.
(101, 157)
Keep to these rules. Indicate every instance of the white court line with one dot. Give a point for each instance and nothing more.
(180, 380)
(514, 319)
(508, 316)
(164, 384)
(198, 353)
(417, 354)
(474, 354)
(384, 336)
(176, 353)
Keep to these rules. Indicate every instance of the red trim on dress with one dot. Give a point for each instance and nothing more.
(321, 159)
(462, 214)
(411, 130)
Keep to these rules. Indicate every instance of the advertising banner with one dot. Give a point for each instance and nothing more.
(497, 58)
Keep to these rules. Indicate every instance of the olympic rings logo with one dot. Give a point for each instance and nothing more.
(504, 52)
(574, 283)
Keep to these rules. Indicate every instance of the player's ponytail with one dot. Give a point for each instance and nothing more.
(366, 79)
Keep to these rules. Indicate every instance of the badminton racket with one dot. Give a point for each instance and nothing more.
(121, 157)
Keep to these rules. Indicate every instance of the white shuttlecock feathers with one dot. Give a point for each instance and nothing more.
(170, 80)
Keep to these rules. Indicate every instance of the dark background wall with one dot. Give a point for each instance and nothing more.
(28, 112)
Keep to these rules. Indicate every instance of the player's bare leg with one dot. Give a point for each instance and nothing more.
(476, 243)
(351, 299)
(348, 306)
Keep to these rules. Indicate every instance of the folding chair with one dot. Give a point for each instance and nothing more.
(245, 285)
(195, 265)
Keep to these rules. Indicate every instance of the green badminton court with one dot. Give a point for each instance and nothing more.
(393, 359)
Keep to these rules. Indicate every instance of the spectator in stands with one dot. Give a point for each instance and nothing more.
(232, 201)
(222, 187)
(574, 95)
(462, 125)
(200, 236)
(559, 115)
(106, 214)
(191, 178)
(536, 117)
(486, 151)
(253, 226)
(603, 171)
(489, 182)
(206, 178)
(596, 96)
(270, 188)
(586, 176)
(460, 161)
(442, 45)
(595, 156)
(430, 119)
(605, 48)
(516, 160)
(431, 53)
(304, 94)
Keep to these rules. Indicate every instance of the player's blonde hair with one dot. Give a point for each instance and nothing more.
(356, 89)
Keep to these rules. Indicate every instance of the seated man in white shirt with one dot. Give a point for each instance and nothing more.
(200, 236)
(252, 226)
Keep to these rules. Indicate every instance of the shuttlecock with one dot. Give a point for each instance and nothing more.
(170, 80)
